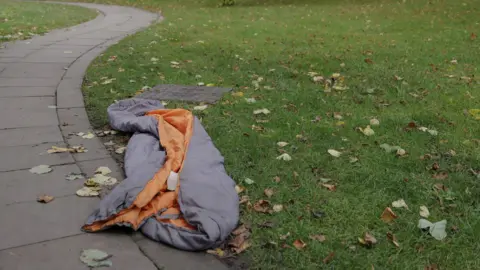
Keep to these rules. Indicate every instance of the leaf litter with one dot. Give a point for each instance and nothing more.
(74, 176)
(41, 169)
(388, 215)
(95, 258)
(73, 149)
(400, 204)
(45, 198)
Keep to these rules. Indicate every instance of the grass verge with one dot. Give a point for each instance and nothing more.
(22, 20)
(411, 65)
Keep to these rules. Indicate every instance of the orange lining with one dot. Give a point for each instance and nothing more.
(175, 129)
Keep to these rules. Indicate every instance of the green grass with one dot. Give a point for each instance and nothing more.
(282, 42)
(22, 20)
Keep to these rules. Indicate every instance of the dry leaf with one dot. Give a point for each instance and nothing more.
(330, 187)
(88, 136)
(367, 131)
(262, 206)
(239, 189)
(103, 180)
(241, 230)
(441, 175)
(41, 169)
(237, 94)
(250, 100)
(367, 240)
(120, 150)
(284, 236)
(299, 244)
(269, 192)
(244, 199)
(334, 152)
(87, 192)
(388, 215)
(73, 149)
(95, 258)
(276, 179)
(74, 176)
(399, 204)
(401, 152)
(435, 166)
(103, 170)
(285, 157)
(374, 122)
(424, 211)
(282, 144)
(217, 252)
(45, 199)
(246, 244)
(261, 111)
(248, 181)
(393, 239)
(329, 258)
(200, 108)
(318, 237)
(277, 208)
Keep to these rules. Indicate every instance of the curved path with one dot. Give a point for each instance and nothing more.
(41, 105)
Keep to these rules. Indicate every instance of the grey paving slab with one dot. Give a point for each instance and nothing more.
(27, 112)
(48, 52)
(45, 59)
(96, 149)
(23, 186)
(30, 136)
(16, 52)
(34, 222)
(19, 91)
(27, 156)
(69, 93)
(27, 82)
(53, 71)
(63, 254)
(101, 34)
(80, 41)
(166, 257)
(184, 93)
(73, 116)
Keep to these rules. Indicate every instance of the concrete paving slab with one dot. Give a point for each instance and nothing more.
(96, 149)
(69, 93)
(53, 71)
(64, 254)
(26, 82)
(27, 156)
(19, 91)
(89, 167)
(73, 116)
(27, 112)
(23, 186)
(30, 136)
(35, 222)
(80, 41)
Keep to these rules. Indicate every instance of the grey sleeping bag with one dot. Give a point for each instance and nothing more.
(206, 196)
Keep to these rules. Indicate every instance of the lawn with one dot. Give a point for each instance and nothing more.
(22, 20)
(409, 66)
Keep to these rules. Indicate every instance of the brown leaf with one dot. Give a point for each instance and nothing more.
(318, 237)
(267, 224)
(45, 199)
(435, 166)
(440, 186)
(329, 258)
(262, 206)
(246, 244)
(367, 240)
(269, 192)
(330, 187)
(239, 189)
(388, 215)
(410, 126)
(244, 199)
(432, 266)
(368, 61)
(473, 36)
(276, 179)
(393, 239)
(441, 175)
(299, 244)
(241, 229)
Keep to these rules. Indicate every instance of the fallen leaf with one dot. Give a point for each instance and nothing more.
(120, 150)
(374, 122)
(103, 180)
(250, 100)
(368, 61)
(401, 152)
(424, 211)
(367, 240)
(282, 144)
(266, 224)
(248, 181)
(241, 229)
(318, 237)
(397, 78)
(41, 169)
(45, 199)
(388, 148)
(277, 208)
(432, 266)
(261, 111)
(393, 239)
(299, 244)
(399, 204)
(284, 236)
(285, 157)
(74, 176)
(475, 113)
(435, 166)
(95, 258)
(217, 252)
(441, 175)
(239, 189)
(367, 131)
(87, 192)
(200, 108)
(88, 136)
(108, 81)
(269, 192)
(318, 78)
(334, 152)
(437, 229)
(388, 215)
(237, 94)
(262, 206)
(244, 199)
(353, 159)
(330, 187)
(246, 244)
(103, 170)
(329, 257)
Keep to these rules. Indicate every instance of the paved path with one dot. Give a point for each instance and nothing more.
(34, 75)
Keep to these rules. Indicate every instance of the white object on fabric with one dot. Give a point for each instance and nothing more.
(172, 181)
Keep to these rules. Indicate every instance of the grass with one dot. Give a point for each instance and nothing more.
(22, 20)
(431, 45)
